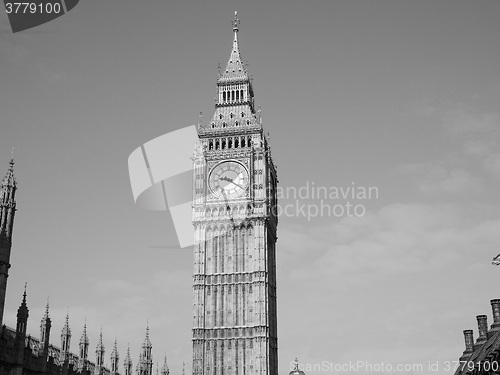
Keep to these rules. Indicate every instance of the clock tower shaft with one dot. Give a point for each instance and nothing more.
(234, 205)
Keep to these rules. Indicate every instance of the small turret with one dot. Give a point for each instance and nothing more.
(145, 365)
(45, 325)
(99, 353)
(84, 349)
(164, 368)
(21, 326)
(114, 360)
(127, 363)
(296, 369)
(65, 341)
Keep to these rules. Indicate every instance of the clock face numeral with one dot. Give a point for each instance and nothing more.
(228, 180)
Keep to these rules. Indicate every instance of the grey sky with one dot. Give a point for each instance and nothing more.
(399, 95)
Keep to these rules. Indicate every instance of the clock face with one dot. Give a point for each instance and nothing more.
(228, 180)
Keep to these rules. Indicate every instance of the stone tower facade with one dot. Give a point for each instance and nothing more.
(235, 223)
(7, 213)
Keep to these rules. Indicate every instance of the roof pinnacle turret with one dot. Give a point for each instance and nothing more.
(84, 340)
(114, 353)
(164, 368)
(45, 317)
(22, 311)
(236, 23)
(66, 331)
(234, 68)
(9, 179)
(296, 370)
(23, 307)
(147, 341)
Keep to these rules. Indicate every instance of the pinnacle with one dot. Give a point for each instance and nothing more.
(235, 70)
(9, 179)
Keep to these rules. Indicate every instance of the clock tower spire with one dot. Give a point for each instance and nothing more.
(234, 207)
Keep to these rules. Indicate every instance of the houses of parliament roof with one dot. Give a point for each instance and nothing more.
(483, 356)
(23, 354)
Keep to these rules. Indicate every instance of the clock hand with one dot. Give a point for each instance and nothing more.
(238, 185)
(231, 181)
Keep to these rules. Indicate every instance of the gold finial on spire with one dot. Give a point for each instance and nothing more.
(236, 22)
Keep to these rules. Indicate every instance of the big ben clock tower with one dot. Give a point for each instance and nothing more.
(234, 218)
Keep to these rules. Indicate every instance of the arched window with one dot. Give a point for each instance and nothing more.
(217, 144)
(230, 143)
(224, 96)
(224, 124)
(210, 145)
(236, 143)
(237, 95)
(242, 114)
(231, 115)
(223, 144)
(243, 142)
(249, 142)
(232, 95)
(241, 95)
(237, 123)
(221, 117)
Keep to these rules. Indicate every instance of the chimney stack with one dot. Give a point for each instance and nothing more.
(482, 325)
(469, 341)
(495, 306)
